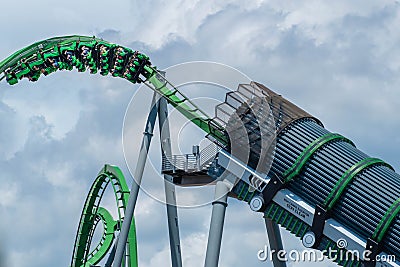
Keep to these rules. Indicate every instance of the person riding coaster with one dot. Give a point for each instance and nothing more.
(88, 58)
(94, 55)
(11, 78)
(103, 59)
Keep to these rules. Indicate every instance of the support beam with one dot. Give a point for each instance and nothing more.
(130, 208)
(172, 211)
(275, 241)
(111, 257)
(217, 224)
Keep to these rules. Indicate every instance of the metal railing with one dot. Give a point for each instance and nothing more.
(190, 162)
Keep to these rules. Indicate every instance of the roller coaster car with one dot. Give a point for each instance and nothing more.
(80, 66)
(89, 44)
(104, 72)
(69, 57)
(143, 61)
(21, 70)
(11, 78)
(51, 66)
(84, 52)
(88, 55)
(142, 57)
(66, 59)
(97, 54)
(71, 47)
(51, 61)
(93, 67)
(68, 52)
(136, 67)
(32, 67)
(104, 50)
(35, 60)
(34, 76)
(119, 50)
(118, 61)
(51, 53)
(131, 68)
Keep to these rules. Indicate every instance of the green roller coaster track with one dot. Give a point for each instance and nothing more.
(93, 213)
(93, 54)
(96, 55)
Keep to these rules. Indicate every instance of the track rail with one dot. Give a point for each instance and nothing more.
(93, 213)
(105, 243)
(96, 55)
(99, 56)
(305, 151)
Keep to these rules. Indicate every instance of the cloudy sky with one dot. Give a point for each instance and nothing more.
(339, 61)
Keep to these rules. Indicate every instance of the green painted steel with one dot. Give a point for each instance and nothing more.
(187, 108)
(92, 213)
(104, 245)
(386, 221)
(309, 151)
(99, 56)
(348, 176)
(96, 55)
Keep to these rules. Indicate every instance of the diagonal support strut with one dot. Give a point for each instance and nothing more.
(147, 135)
(170, 196)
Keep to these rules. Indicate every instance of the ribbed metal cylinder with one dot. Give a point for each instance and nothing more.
(370, 192)
(364, 201)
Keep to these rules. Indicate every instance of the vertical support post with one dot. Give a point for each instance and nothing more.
(130, 208)
(111, 257)
(170, 197)
(196, 153)
(275, 241)
(217, 224)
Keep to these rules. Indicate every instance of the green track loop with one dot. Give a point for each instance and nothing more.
(386, 221)
(109, 226)
(309, 151)
(92, 213)
(348, 176)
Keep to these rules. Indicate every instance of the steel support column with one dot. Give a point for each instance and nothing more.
(130, 208)
(170, 197)
(275, 241)
(217, 224)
